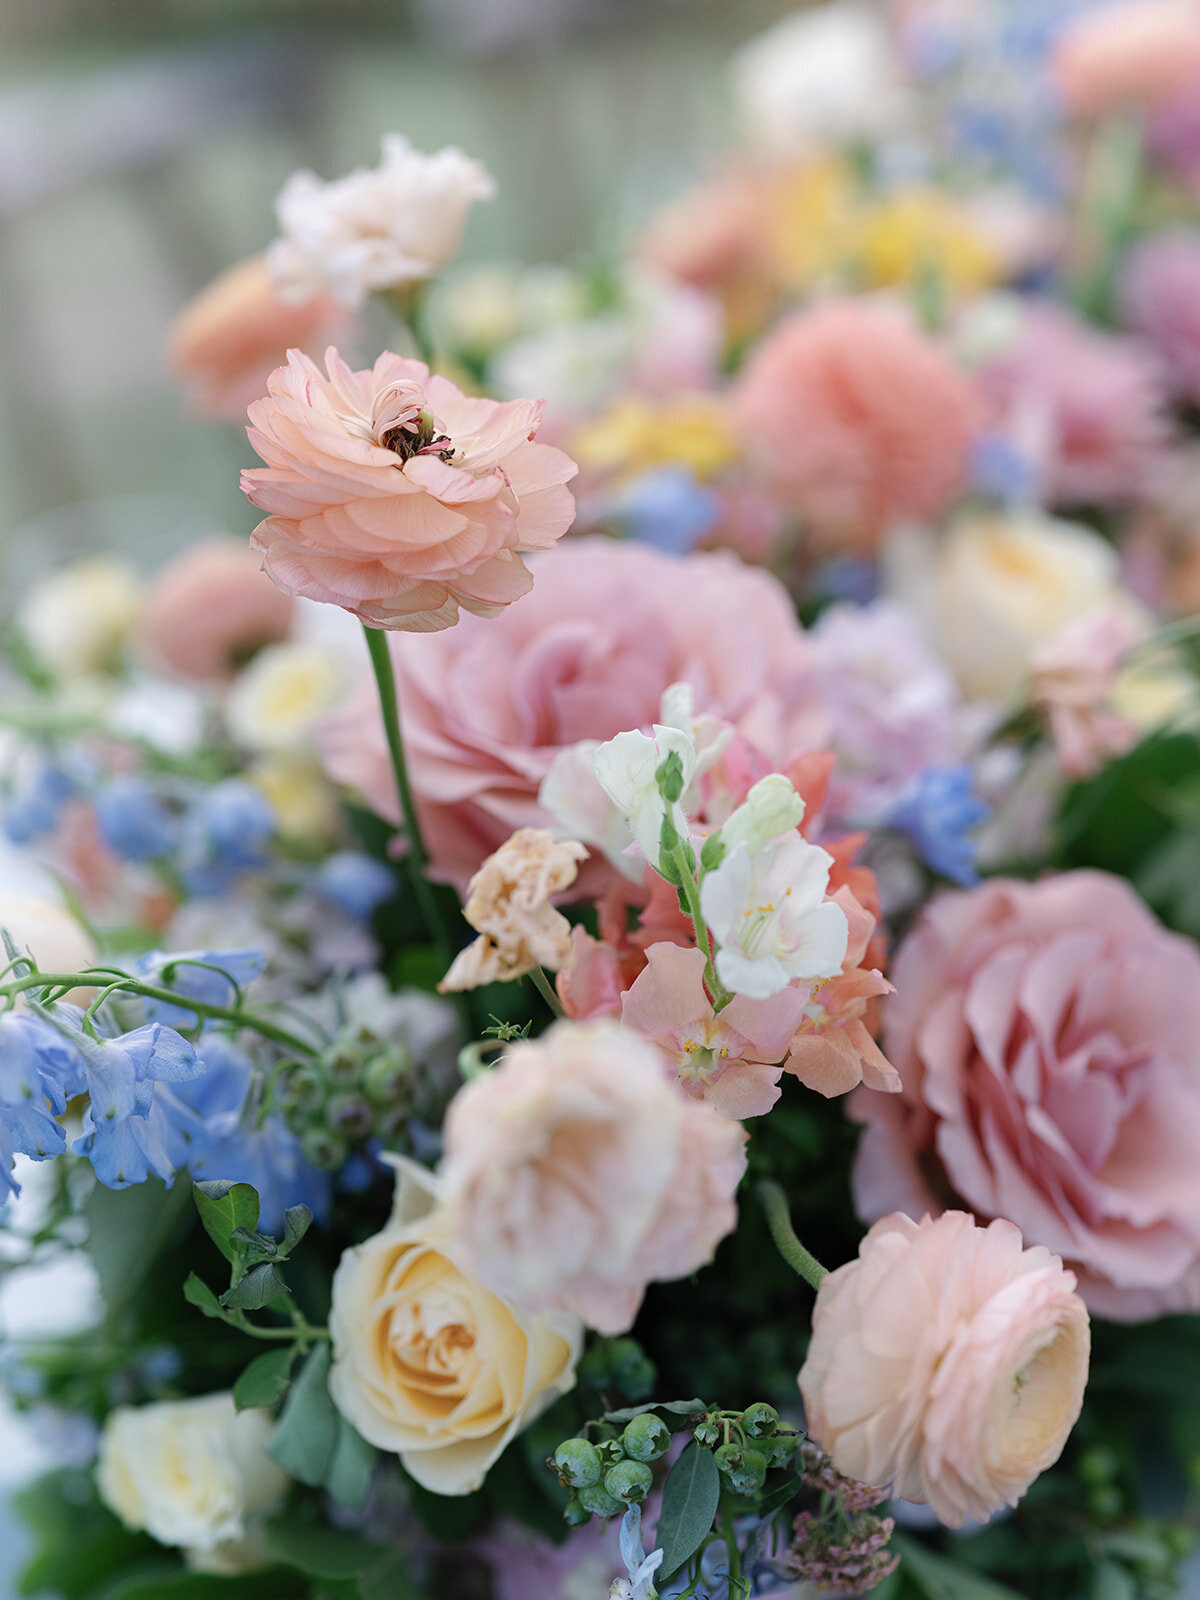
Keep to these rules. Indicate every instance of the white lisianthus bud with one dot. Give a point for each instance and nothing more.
(771, 809)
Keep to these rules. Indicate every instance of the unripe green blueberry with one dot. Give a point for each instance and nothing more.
(343, 1066)
(629, 1481)
(303, 1090)
(351, 1115)
(323, 1149)
(783, 1448)
(729, 1458)
(388, 1075)
(611, 1451)
(575, 1514)
(751, 1474)
(645, 1438)
(707, 1433)
(578, 1462)
(597, 1500)
(760, 1421)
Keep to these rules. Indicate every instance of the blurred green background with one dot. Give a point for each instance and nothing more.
(142, 143)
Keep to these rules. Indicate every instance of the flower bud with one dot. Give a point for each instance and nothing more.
(669, 777)
(771, 809)
(760, 1421)
(713, 852)
(629, 1481)
(578, 1463)
(597, 1500)
(645, 1438)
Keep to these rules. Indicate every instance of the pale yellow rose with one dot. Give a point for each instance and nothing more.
(76, 621)
(426, 1361)
(275, 703)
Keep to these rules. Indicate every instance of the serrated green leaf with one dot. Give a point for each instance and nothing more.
(197, 1293)
(224, 1208)
(266, 1380)
(691, 1496)
(306, 1434)
(943, 1579)
(257, 1289)
(674, 1408)
(297, 1220)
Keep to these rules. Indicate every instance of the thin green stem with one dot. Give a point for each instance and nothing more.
(774, 1204)
(416, 857)
(542, 984)
(691, 894)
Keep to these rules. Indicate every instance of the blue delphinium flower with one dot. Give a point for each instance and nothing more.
(668, 508)
(356, 883)
(1002, 472)
(937, 813)
(39, 1071)
(134, 821)
(210, 976)
(126, 1136)
(33, 811)
(224, 835)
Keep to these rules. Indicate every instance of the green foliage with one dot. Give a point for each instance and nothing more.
(314, 1443)
(79, 1546)
(341, 1564)
(691, 1496)
(225, 1210)
(265, 1381)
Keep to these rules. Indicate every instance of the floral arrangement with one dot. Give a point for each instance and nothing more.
(613, 1006)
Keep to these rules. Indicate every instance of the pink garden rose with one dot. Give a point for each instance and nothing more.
(587, 655)
(207, 610)
(948, 1361)
(393, 494)
(855, 419)
(1073, 675)
(1160, 295)
(1048, 1039)
(576, 1173)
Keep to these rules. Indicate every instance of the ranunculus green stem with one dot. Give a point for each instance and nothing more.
(774, 1203)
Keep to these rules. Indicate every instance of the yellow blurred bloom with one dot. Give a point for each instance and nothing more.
(301, 795)
(637, 433)
(810, 218)
(917, 237)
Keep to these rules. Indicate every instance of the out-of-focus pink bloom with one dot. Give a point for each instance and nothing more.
(1160, 294)
(587, 655)
(855, 420)
(1173, 132)
(590, 985)
(1048, 1039)
(1086, 406)
(713, 235)
(526, 1564)
(731, 1059)
(208, 609)
(1072, 680)
(391, 493)
(227, 341)
(1132, 53)
(947, 1361)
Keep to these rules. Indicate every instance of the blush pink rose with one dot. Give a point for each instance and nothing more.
(391, 493)
(608, 627)
(209, 609)
(1073, 675)
(1160, 296)
(1132, 53)
(856, 420)
(576, 1173)
(1048, 1039)
(948, 1361)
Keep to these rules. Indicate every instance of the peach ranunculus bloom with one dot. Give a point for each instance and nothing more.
(1048, 1039)
(1073, 676)
(391, 493)
(1128, 55)
(227, 341)
(508, 902)
(576, 1173)
(426, 1361)
(856, 420)
(207, 610)
(948, 1361)
(609, 626)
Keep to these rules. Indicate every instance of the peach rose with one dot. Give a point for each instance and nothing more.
(227, 341)
(1048, 1039)
(948, 1361)
(607, 628)
(856, 420)
(207, 610)
(1134, 53)
(576, 1173)
(393, 494)
(426, 1361)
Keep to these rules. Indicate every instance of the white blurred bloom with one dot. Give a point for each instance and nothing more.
(76, 621)
(376, 228)
(572, 794)
(278, 698)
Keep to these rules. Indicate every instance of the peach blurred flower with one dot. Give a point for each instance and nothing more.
(229, 338)
(948, 1361)
(508, 902)
(394, 495)
(588, 655)
(1046, 1035)
(576, 1173)
(1130, 54)
(207, 610)
(856, 420)
(1072, 679)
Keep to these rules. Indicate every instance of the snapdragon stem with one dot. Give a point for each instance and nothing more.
(774, 1204)
(688, 888)
(543, 986)
(416, 857)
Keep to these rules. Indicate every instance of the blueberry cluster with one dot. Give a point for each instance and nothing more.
(361, 1089)
(613, 1474)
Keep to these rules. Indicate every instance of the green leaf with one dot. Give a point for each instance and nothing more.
(307, 1432)
(225, 1207)
(78, 1543)
(255, 1246)
(257, 1289)
(197, 1293)
(297, 1220)
(127, 1230)
(673, 1408)
(943, 1579)
(1113, 1582)
(448, 1518)
(779, 1498)
(350, 1467)
(266, 1380)
(164, 1583)
(320, 1551)
(690, 1498)
(388, 1579)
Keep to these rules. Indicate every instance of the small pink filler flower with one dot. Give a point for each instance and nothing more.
(393, 494)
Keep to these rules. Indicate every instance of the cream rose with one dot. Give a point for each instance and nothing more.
(76, 621)
(192, 1473)
(429, 1363)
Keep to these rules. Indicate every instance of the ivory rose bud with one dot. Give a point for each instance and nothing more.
(192, 1473)
(209, 609)
(429, 1363)
(576, 1173)
(509, 903)
(947, 1361)
(391, 493)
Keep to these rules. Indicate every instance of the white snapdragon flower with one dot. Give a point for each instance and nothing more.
(771, 808)
(571, 793)
(377, 228)
(770, 916)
